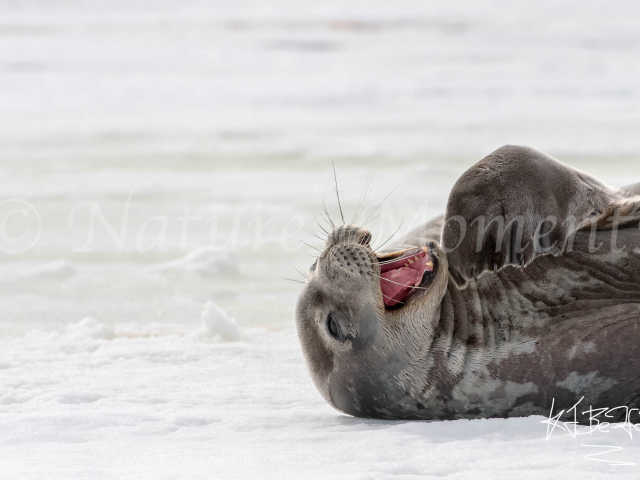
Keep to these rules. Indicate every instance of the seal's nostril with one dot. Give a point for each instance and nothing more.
(365, 239)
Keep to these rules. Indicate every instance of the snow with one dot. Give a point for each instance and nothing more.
(217, 322)
(204, 260)
(54, 270)
(168, 157)
(159, 403)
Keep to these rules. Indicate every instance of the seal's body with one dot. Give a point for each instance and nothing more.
(523, 295)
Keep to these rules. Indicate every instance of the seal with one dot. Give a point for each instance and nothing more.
(525, 294)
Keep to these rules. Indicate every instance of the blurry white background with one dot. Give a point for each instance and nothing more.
(136, 115)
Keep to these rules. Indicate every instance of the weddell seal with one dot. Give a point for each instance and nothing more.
(525, 294)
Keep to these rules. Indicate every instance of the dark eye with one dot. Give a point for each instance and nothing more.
(313, 267)
(332, 326)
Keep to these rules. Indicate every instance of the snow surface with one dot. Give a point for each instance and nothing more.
(169, 157)
(150, 402)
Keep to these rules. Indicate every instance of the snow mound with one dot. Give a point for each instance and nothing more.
(206, 260)
(91, 328)
(57, 270)
(217, 322)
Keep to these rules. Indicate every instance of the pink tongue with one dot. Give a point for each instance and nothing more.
(399, 277)
(398, 283)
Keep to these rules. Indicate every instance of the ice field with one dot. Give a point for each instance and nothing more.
(167, 158)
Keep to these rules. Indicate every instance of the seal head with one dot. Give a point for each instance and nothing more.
(356, 308)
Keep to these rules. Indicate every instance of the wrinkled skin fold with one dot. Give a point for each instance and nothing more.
(523, 294)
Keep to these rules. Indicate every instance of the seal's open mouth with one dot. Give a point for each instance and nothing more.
(401, 273)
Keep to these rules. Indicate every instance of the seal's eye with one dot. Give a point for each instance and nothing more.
(332, 327)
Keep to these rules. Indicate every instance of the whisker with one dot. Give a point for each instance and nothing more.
(391, 298)
(383, 200)
(319, 225)
(402, 284)
(402, 257)
(363, 197)
(318, 237)
(330, 220)
(381, 213)
(374, 238)
(311, 246)
(392, 235)
(303, 275)
(291, 280)
(328, 224)
(335, 178)
(406, 255)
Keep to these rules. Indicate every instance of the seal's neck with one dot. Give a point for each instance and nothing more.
(466, 330)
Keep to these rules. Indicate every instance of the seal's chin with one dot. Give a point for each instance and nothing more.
(405, 272)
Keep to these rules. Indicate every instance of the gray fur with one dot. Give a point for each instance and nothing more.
(496, 334)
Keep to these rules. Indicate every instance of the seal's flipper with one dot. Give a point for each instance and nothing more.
(621, 212)
(517, 204)
(631, 190)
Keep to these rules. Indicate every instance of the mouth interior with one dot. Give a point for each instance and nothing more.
(402, 272)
